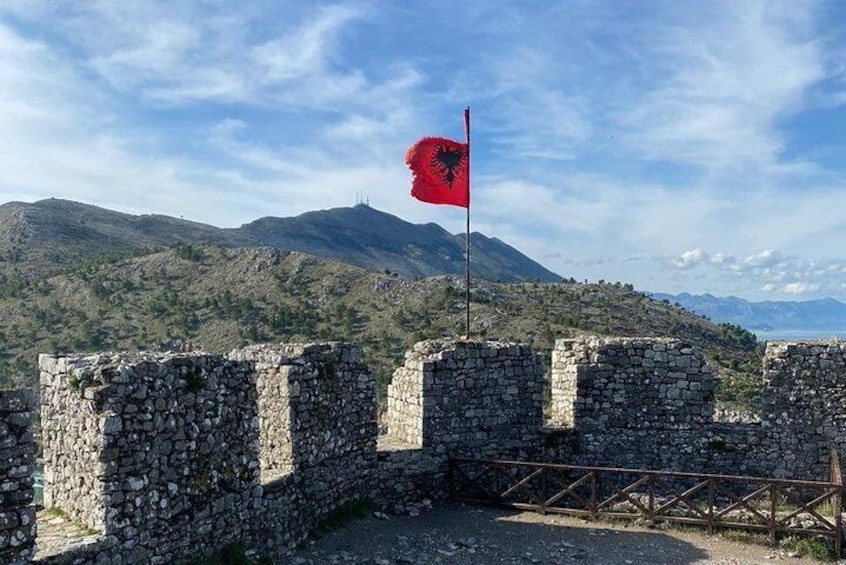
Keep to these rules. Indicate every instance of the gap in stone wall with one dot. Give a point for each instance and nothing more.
(635, 402)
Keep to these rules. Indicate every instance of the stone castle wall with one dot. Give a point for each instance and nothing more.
(166, 448)
(272, 367)
(261, 445)
(17, 460)
(648, 403)
(803, 407)
(174, 462)
(456, 397)
(624, 397)
(624, 383)
(73, 438)
(318, 403)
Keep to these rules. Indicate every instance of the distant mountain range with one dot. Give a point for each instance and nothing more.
(818, 315)
(57, 232)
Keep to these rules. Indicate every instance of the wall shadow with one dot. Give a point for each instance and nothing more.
(467, 534)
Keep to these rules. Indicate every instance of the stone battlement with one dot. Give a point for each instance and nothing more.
(623, 382)
(457, 396)
(170, 456)
(649, 403)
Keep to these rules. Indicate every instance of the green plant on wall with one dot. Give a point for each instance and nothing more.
(194, 379)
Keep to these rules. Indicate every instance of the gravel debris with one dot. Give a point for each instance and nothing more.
(459, 534)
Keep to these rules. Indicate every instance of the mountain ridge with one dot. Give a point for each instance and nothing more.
(55, 230)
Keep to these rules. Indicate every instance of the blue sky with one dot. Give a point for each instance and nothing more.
(676, 145)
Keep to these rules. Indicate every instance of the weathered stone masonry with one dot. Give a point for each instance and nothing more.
(17, 459)
(454, 398)
(804, 407)
(628, 400)
(317, 412)
(473, 397)
(648, 403)
(170, 456)
(175, 462)
(158, 453)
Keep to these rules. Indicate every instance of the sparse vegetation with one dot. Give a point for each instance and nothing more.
(820, 549)
(217, 299)
(344, 514)
(193, 380)
(813, 548)
(81, 529)
(232, 554)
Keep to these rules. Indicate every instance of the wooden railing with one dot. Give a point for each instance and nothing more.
(774, 506)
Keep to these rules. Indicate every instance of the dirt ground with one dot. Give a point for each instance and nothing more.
(471, 535)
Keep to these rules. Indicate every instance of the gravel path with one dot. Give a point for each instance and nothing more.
(460, 534)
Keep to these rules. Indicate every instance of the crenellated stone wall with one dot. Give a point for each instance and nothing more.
(181, 454)
(171, 456)
(17, 459)
(456, 398)
(459, 397)
(648, 403)
(72, 430)
(317, 405)
(803, 407)
(626, 398)
(272, 367)
(620, 383)
(159, 451)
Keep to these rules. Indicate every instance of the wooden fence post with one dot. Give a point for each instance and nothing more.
(837, 480)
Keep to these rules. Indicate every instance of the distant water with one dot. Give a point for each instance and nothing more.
(799, 335)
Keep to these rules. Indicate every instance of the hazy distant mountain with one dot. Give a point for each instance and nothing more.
(822, 314)
(57, 231)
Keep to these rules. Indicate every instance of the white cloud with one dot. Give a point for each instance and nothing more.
(722, 259)
(299, 54)
(72, 140)
(197, 52)
(800, 288)
(691, 258)
(767, 258)
(770, 269)
(726, 84)
(645, 132)
(67, 143)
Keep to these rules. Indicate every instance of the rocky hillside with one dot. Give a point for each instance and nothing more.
(220, 298)
(62, 231)
(53, 232)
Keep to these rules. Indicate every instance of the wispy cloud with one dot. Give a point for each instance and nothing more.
(198, 52)
(723, 87)
(775, 272)
(77, 140)
(623, 149)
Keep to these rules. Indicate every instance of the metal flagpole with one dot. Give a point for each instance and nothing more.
(467, 243)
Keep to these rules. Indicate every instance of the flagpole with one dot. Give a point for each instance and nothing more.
(467, 242)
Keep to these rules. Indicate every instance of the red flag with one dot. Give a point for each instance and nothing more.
(441, 171)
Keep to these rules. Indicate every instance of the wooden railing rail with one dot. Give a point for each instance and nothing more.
(771, 506)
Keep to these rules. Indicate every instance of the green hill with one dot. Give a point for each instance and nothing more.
(219, 298)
